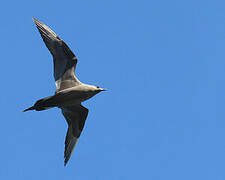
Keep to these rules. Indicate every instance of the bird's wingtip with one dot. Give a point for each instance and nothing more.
(34, 19)
(65, 162)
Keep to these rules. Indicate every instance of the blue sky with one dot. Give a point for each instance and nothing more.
(164, 114)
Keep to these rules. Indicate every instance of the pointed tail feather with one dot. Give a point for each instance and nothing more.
(42, 104)
(28, 109)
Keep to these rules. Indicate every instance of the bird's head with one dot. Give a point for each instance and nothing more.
(92, 89)
(97, 88)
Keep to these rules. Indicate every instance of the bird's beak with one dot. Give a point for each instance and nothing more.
(102, 89)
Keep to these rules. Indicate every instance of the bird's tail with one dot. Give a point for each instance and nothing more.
(28, 109)
(41, 105)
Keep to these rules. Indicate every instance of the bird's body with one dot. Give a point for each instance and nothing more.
(67, 97)
(70, 92)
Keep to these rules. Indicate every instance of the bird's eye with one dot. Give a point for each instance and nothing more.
(97, 86)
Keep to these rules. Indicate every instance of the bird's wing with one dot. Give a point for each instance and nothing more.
(64, 59)
(75, 117)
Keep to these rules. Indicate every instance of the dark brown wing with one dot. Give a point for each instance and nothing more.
(64, 59)
(75, 117)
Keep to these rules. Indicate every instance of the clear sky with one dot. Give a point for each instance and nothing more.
(163, 117)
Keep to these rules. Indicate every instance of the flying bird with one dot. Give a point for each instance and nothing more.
(70, 92)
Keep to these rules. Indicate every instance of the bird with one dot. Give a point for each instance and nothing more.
(70, 92)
